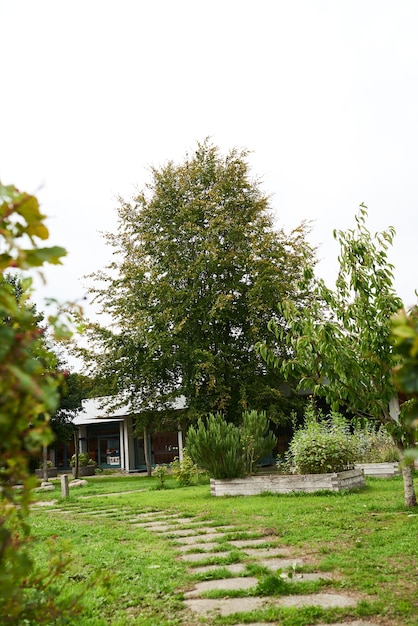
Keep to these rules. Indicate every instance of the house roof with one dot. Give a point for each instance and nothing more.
(94, 410)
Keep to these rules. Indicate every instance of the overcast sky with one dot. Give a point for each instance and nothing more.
(324, 94)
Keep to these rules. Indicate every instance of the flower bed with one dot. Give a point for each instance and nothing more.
(286, 483)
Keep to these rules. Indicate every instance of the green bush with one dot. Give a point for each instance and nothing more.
(216, 447)
(257, 440)
(375, 445)
(323, 444)
(83, 460)
(184, 471)
(229, 451)
(160, 473)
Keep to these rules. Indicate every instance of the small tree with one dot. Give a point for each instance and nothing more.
(341, 348)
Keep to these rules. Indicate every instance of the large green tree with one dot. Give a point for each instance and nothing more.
(340, 347)
(197, 272)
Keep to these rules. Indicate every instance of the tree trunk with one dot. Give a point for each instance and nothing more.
(45, 463)
(408, 484)
(147, 451)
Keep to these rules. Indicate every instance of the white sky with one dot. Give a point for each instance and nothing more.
(324, 94)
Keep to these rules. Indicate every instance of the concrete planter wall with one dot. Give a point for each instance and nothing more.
(52, 472)
(379, 470)
(285, 483)
(85, 470)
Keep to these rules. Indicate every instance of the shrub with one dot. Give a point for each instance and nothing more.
(375, 445)
(160, 473)
(83, 460)
(228, 451)
(323, 444)
(216, 447)
(257, 440)
(184, 471)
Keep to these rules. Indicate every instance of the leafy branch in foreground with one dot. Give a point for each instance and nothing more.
(28, 395)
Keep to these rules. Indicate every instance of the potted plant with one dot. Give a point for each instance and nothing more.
(86, 465)
(52, 471)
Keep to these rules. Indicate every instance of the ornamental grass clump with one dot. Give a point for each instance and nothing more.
(322, 445)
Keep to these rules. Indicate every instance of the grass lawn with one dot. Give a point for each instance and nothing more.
(127, 575)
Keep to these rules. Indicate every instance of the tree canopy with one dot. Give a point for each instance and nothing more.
(197, 272)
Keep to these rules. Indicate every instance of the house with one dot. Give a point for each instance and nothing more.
(108, 437)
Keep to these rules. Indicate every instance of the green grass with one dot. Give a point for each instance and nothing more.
(127, 575)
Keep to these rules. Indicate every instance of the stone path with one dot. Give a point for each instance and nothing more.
(231, 563)
(207, 548)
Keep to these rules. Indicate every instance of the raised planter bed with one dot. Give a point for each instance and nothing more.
(52, 472)
(286, 483)
(379, 470)
(85, 470)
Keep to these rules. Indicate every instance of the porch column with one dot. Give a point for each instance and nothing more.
(180, 442)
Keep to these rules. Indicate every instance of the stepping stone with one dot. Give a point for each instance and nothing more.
(324, 600)
(300, 578)
(194, 539)
(202, 557)
(154, 526)
(200, 546)
(224, 606)
(274, 564)
(355, 623)
(266, 552)
(182, 532)
(223, 584)
(233, 568)
(242, 543)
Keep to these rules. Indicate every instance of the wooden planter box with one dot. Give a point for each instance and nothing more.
(379, 470)
(52, 472)
(286, 483)
(85, 470)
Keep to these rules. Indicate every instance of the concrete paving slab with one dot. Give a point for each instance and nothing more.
(154, 527)
(194, 557)
(355, 623)
(324, 600)
(184, 540)
(210, 545)
(224, 584)
(233, 568)
(267, 552)
(182, 532)
(274, 564)
(300, 578)
(242, 543)
(224, 606)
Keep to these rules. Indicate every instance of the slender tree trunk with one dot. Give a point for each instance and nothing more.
(45, 463)
(408, 484)
(147, 451)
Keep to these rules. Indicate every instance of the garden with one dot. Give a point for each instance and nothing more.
(119, 572)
